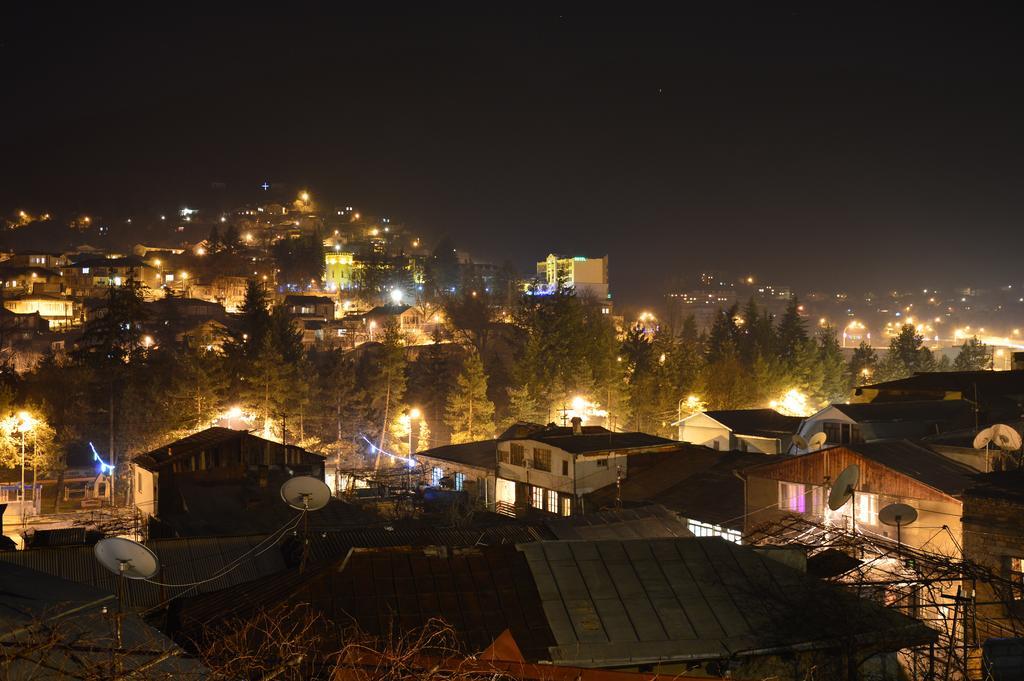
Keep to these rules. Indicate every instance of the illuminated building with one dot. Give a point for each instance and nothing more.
(338, 273)
(587, 276)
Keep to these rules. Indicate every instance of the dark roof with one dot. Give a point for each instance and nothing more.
(295, 299)
(1008, 485)
(830, 563)
(643, 522)
(696, 482)
(33, 599)
(917, 411)
(988, 383)
(126, 261)
(643, 601)
(479, 591)
(483, 454)
(596, 439)
(204, 438)
(917, 462)
(761, 422)
(182, 561)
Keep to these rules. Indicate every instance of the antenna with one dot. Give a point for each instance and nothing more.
(817, 440)
(305, 493)
(843, 490)
(1004, 437)
(800, 442)
(898, 515)
(128, 560)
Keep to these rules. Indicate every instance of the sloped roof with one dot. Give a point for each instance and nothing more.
(297, 299)
(760, 422)
(480, 592)
(644, 601)
(644, 522)
(917, 410)
(695, 482)
(204, 438)
(1008, 485)
(989, 382)
(482, 454)
(919, 463)
(596, 439)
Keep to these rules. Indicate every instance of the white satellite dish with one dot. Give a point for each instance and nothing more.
(817, 440)
(844, 486)
(800, 442)
(898, 515)
(982, 439)
(305, 493)
(126, 558)
(1005, 437)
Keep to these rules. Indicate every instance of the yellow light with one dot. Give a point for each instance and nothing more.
(157, 262)
(184, 275)
(414, 413)
(356, 216)
(248, 236)
(234, 412)
(25, 421)
(374, 232)
(147, 341)
(578, 403)
(200, 251)
(304, 196)
(750, 280)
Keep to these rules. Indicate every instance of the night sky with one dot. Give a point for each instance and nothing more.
(816, 147)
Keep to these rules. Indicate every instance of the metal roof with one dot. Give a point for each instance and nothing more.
(645, 522)
(917, 410)
(483, 454)
(759, 422)
(634, 602)
(593, 440)
(919, 463)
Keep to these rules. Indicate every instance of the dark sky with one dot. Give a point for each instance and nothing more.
(821, 147)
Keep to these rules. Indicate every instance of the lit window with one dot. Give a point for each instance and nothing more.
(798, 498)
(460, 481)
(700, 529)
(552, 501)
(537, 497)
(435, 476)
(85, 270)
(567, 506)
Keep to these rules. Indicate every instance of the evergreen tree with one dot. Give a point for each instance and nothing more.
(523, 407)
(231, 239)
(906, 356)
(792, 335)
(973, 356)
(863, 364)
(724, 337)
(835, 384)
(726, 385)
(387, 382)
(213, 241)
(469, 412)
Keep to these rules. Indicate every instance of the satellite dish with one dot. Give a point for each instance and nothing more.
(305, 493)
(1005, 437)
(982, 439)
(843, 487)
(799, 441)
(896, 515)
(817, 440)
(126, 558)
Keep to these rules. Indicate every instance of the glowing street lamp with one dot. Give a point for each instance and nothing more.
(25, 424)
(396, 296)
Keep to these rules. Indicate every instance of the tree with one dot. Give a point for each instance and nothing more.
(469, 412)
(792, 335)
(386, 383)
(973, 356)
(231, 238)
(725, 382)
(835, 382)
(863, 364)
(906, 356)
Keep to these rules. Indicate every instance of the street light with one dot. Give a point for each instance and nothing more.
(414, 414)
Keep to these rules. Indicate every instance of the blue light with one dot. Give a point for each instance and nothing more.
(104, 466)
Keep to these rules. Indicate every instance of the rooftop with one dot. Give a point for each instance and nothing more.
(761, 422)
(482, 454)
(644, 522)
(919, 463)
(917, 410)
(1008, 485)
(595, 439)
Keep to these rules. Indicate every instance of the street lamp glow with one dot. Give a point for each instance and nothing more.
(414, 413)
(25, 421)
(396, 296)
(304, 196)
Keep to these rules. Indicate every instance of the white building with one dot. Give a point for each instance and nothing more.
(587, 276)
(764, 431)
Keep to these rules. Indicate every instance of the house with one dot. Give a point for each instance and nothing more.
(43, 259)
(309, 307)
(866, 422)
(699, 485)
(994, 538)
(220, 481)
(58, 311)
(746, 430)
(85, 276)
(15, 279)
(663, 605)
(553, 468)
(998, 394)
(469, 467)
(896, 471)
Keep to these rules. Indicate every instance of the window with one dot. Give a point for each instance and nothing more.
(85, 270)
(700, 529)
(867, 508)
(567, 506)
(542, 459)
(460, 481)
(841, 433)
(799, 498)
(1016, 576)
(565, 467)
(552, 501)
(516, 454)
(537, 497)
(502, 456)
(603, 463)
(435, 476)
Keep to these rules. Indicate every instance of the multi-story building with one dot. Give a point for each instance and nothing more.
(339, 271)
(587, 276)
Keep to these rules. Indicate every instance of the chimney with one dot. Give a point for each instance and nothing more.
(577, 425)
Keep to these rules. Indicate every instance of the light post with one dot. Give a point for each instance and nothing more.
(25, 423)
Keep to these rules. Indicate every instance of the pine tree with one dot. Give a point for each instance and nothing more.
(469, 412)
(792, 334)
(906, 356)
(835, 383)
(863, 364)
(387, 382)
(973, 356)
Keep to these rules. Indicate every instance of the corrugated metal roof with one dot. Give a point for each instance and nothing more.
(919, 463)
(644, 522)
(618, 602)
